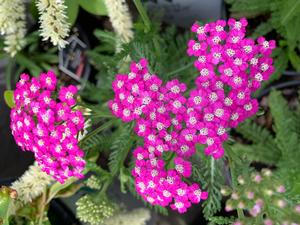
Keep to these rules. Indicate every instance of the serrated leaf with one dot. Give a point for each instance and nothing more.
(259, 153)
(262, 29)
(9, 98)
(291, 8)
(96, 7)
(120, 148)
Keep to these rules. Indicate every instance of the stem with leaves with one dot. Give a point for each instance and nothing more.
(144, 16)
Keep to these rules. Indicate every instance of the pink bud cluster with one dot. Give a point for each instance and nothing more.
(48, 126)
(231, 67)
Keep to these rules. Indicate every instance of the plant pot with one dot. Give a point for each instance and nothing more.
(59, 213)
(185, 13)
(291, 73)
(279, 86)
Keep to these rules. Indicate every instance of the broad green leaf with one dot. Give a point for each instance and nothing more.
(96, 7)
(57, 187)
(69, 191)
(5, 204)
(34, 69)
(72, 10)
(9, 98)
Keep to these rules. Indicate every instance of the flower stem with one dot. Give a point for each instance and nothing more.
(174, 72)
(97, 130)
(8, 73)
(147, 23)
(42, 208)
(234, 184)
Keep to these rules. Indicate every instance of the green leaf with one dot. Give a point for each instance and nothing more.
(120, 148)
(294, 59)
(69, 191)
(96, 7)
(21, 59)
(106, 36)
(5, 204)
(9, 98)
(220, 220)
(262, 29)
(33, 10)
(57, 187)
(72, 10)
(291, 8)
(259, 153)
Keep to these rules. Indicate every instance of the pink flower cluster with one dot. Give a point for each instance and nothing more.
(231, 67)
(47, 126)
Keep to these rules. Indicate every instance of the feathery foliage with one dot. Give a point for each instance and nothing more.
(209, 172)
(281, 149)
(120, 148)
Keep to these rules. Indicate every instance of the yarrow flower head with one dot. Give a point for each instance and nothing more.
(48, 126)
(230, 67)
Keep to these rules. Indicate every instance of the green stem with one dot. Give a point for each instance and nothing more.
(180, 69)
(8, 73)
(212, 170)
(144, 16)
(147, 23)
(42, 208)
(97, 130)
(234, 185)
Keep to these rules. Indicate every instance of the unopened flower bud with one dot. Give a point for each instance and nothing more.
(267, 172)
(281, 203)
(241, 205)
(297, 208)
(250, 195)
(225, 191)
(234, 196)
(281, 189)
(241, 180)
(268, 222)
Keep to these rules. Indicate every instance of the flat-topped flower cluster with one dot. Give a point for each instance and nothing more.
(231, 67)
(48, 125)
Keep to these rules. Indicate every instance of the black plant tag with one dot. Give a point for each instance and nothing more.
(73, 61)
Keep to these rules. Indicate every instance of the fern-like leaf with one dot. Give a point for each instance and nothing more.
(259, 153)
(120, 148)
(210, 174)
(220, 220)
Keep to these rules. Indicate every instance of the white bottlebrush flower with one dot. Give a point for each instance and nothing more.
(135, 217)
(120, 18)
(31, 184)
(53, 21)
(12, 25)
